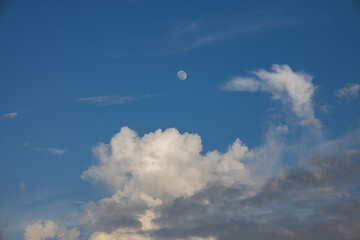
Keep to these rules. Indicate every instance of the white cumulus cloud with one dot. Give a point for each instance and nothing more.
(292, 88)
(148, 172)
(164, 164)
(41, 230)
(163, 180)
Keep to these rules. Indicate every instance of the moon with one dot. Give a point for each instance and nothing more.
(182, 75)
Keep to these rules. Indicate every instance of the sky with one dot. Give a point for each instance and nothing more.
(103, 138)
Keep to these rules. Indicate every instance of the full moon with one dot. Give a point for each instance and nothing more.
(181, 75)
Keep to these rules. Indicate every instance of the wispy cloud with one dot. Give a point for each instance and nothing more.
(187, 36)
(292, 88)
(113, 99)
(313, 121)
(187, 27)
(9, 115)
(326, 108)
(57, 151)
(350, 91)
(54, 151)
(194, 34)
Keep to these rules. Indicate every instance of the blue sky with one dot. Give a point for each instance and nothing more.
(282, 76)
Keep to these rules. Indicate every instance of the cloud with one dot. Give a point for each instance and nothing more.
(67, 234)
(321, 176)
(326, 108)
(163, 186)
(57, 151)
(311, 200)
(119, 234)
(294, 89)
(121, 210)
(195, 34)
(22, 186)
(2, 227)
(9, 115)
(146, 173)
(164, 164)
(42, 230)
(214, 203)
(314, 121)
(186, 28)
(54, 151)
(350, 91)
(113, 99)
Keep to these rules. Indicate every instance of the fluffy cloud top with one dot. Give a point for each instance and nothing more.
(165, 164)
(223, 199)
(149, 172)
(293, 88)
(42, 230)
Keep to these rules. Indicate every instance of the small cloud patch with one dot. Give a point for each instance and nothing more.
(22, 186)
(10, 115)
(350, 91)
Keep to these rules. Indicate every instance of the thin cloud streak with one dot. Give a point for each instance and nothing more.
(53, 151)
(115, 100)
(57, 151)
(188, 37)
(207, 39)
(10, 115)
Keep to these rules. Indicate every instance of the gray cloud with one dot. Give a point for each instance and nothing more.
(164, 187)
(2, 227)
(318, 199)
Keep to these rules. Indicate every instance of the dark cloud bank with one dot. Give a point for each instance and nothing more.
(318, 199)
